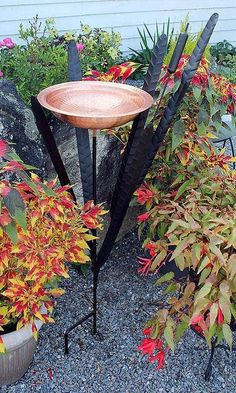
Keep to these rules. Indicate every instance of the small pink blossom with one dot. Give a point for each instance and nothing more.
(79, 47)
(8, 43)
(1, 74)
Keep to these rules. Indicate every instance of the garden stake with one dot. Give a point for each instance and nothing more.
(178, 51)
(135, 169)
(177, 97)
(150, 82)
(82, 135)
(214, 346)
(93, 249)
(50, 143)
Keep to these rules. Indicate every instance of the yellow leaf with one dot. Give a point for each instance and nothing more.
(210, 135)
(35, 331)
(2, 346)
(3, 310)
(82, 244)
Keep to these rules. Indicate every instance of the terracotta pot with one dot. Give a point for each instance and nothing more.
(20, 346)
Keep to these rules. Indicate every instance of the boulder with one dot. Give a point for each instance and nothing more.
(17, 125)
(108, 159)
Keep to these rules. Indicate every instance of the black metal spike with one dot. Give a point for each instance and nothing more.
(138, 150)
(176, 99)
(50, 143)
(149, 85)
(82, 135)
(135, 159)
(74, 66)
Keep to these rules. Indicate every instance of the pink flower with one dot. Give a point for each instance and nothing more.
(1, 74)
(1, 44)
(79, 47)
(143, 217)
(8, 43)
(3, 147)
(146, 264)
(147, 346)
(160, 357)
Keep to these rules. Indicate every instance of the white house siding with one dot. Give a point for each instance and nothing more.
(121, 15)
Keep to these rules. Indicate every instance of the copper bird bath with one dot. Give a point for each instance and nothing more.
(103, 105)
(94, 105)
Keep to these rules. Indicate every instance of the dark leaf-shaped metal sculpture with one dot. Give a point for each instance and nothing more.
(137, 151)
(50, 143)
(82, 135)
(176, 99)
(149, 85)
(74, 66)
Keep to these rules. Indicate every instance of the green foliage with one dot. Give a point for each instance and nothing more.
(149, 40)
(224, 55)
(42, 59)
(222, 52)
(36, 64)
(190, 44)
(101, 48)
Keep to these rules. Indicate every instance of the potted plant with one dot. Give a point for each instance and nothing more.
(41, 228)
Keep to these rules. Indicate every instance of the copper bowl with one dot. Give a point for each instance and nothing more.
(93, 104)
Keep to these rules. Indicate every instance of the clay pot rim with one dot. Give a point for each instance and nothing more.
(17, 338)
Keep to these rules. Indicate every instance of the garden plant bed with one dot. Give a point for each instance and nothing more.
(110, 363)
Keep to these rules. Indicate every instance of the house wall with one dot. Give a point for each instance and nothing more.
(121, 15)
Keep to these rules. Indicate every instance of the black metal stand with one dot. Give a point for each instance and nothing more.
(224, 140)
(93, 249)
(214, 346)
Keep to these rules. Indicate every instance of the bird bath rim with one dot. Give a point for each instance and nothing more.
(115, 103)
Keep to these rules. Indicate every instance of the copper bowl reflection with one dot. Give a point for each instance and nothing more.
(95, 105)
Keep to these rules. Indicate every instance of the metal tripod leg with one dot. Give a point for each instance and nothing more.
(95, 271)
(232, 150)
(209, 366)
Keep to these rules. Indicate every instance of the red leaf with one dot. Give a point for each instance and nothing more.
(220, 317)
(50, 373)
(4, 189)
(3, 148)
(147, 346)
(13, 165)
(195, 320)
(127, 73)
(5, 219)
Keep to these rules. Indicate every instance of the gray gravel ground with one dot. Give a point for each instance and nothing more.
(110, 363)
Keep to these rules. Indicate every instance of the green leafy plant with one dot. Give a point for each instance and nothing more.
(189, 198)
(41, 60)
(224, 56)
(36, 64)
(148, 41)
(41, 228)
(222, 52)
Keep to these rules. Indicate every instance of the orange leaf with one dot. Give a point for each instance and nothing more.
(2, 346)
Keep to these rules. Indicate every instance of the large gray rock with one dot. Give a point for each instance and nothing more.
(108, 159)
(17, 125)
(108, 164)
